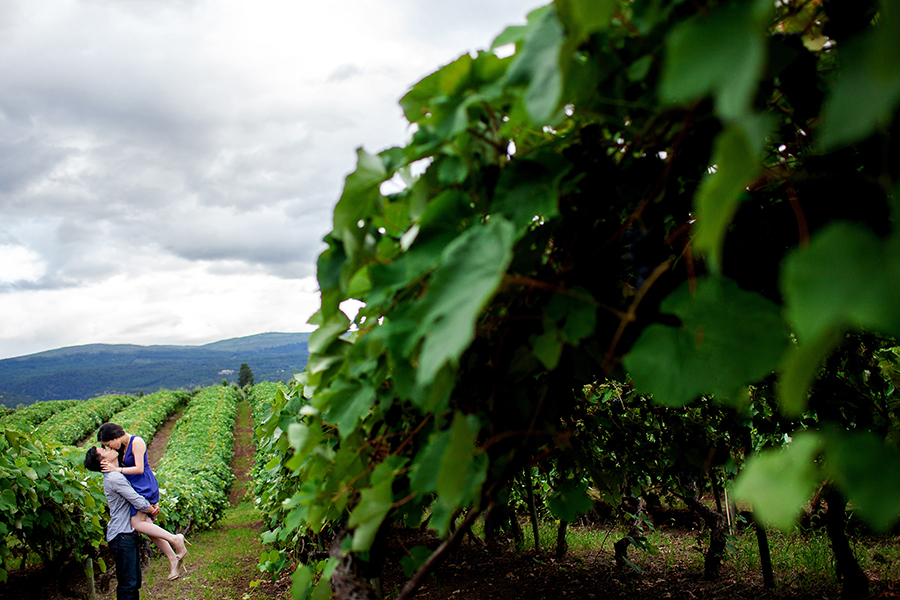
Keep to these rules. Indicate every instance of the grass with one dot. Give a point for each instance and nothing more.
(221, 562)
(802, 560)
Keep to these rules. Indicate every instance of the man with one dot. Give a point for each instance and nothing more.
(123, 540)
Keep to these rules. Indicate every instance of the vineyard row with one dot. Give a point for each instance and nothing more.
(54, 510)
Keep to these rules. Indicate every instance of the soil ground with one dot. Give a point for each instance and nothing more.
(158, 444)
(475, 573)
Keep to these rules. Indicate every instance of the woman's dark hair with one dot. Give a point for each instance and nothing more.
(92, 460)
(109, 431)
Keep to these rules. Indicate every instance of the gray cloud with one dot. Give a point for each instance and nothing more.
(344, 72)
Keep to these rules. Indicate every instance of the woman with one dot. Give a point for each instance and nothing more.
(135, 466)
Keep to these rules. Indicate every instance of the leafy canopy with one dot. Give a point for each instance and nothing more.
(684, 196)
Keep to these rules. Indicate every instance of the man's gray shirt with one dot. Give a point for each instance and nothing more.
(120, 496)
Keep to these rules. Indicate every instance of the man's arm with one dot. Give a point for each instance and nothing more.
(124, 489)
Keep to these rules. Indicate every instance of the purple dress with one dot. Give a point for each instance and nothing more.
(143, 483)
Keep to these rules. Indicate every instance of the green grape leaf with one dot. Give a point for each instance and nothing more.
(547, 347)
(442, 99)
(348, 405)
(323, 589)
(303, 439)
(728, 338)
(868, 473)
(574, 313)
(359, 283)
(722, 53)
(847, 277)
(322, 362)
(455, 464)
(736, 154)
(8, 500)
(452, 170)
(862, 97)
(517, 34)
(427, 465)
(443, 510)
(446, 213)
(295, 518)
(365, 519)
(639, 69)
(471, 268)
(884, 51)
(437, 98)
(388, 469)
(302, 582)
(529, 189)
(777, 482)
(361, 197)
(799, 369)
(330, 330)
(329, 267)
(537, 66)
(441, 515)
(581, 18)
(570, 500)
(416, 557)
(569, 318)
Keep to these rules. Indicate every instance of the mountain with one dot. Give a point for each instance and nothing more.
(86, 371)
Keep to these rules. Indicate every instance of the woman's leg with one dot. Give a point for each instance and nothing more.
(162, 538)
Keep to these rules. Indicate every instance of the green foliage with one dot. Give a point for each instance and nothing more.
(147, 414)
(656, 193)
(27, 418)
(264, 398)
(77, 422)
(195, 472)
(718, 321)
(571, 501)
(736, 155)
(48, 503)
(721, 54)
(865, 469)
(779, 482)
(284, 444)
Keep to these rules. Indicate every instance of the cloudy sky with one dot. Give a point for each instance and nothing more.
(168, 168)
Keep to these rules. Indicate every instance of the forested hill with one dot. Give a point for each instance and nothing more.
(87, 371)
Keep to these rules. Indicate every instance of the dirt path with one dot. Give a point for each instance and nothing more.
(158, 444)
(222, 561)
(244, 452)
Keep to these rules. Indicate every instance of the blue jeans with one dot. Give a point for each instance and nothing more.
(126, 548)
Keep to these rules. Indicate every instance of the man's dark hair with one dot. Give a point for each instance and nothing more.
(92, 460)
(109, 431)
